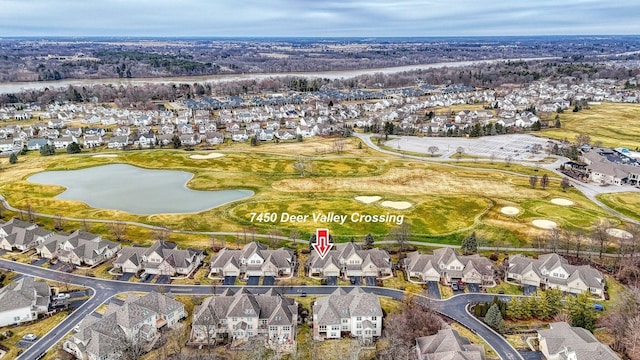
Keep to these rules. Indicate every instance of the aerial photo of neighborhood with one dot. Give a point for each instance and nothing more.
(319, 180)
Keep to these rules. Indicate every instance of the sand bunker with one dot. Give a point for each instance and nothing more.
(398, 205)
(562, 202)
(544, 224)
(619, 233)
(206, 156)
(368, 199)
(105, 155)
(510, 210)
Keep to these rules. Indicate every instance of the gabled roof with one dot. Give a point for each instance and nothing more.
(25, 292)
(563, 338)
(328, 310)
(448, 344)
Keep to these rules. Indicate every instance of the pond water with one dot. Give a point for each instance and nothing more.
(135, 190)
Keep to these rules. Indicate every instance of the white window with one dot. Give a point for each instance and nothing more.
(323, 328)
(373, 318)
(286, 328)
(359, 318)
(273, 328)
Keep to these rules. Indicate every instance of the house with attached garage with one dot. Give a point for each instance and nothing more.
(242, 315)
(161, 258)
(118, 142)
(23, 301)
(37, 144)
(78, 248)
(355, 312)
(554, 271)
(446, 265)
(350, 261)
(137, 321)
(253, 260)
(20, 235)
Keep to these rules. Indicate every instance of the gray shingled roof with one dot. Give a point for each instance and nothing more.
(448, 344)
(561, 337)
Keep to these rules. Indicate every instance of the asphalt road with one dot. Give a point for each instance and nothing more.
(454, 308)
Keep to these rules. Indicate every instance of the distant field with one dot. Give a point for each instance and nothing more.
(446, 202)
(614, 124)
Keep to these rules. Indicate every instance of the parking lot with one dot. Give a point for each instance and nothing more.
(517, 146)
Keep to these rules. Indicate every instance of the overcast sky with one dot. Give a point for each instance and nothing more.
(317, 17)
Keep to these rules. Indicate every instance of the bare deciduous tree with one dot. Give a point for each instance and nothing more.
(600, 235)
(433, 150)
(339, 145)
(118, 230)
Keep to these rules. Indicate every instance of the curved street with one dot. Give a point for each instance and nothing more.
(103, 289)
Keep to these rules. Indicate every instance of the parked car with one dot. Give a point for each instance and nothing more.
(598, 307)
(454, 286)
(30, 337)
(61, 296)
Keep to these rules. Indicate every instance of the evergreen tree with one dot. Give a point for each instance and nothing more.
(558, 124)
(494, 318)
(529, 306)
(469, 244)
(13, 158)
(514, 309)
(73, 148)
(544, 310)
(368, 241)
(581, 312)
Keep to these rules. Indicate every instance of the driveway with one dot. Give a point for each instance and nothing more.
(370, 280)
(125, 277)
(39, 262)
(163, 279)
(268, 280)
(473, 288)
(253, 280)
(433, 289)
(530, 290)
(229, 280)
(355, 280)
(332, 280)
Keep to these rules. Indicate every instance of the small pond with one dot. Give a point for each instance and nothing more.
(135, 190)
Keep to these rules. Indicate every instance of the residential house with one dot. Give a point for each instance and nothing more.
(118, 142)
(351, 261)
(355, 311)
(553, 271)
(214, 137)
(447, 265)
(448, 344)
(243, 315)
(83, 248)
(23, 301)
(21, 235)
(90, 141)
(564, 342)
(136, 322)
(253, 260)
(37, 144)
(163, 257)
(64, 141)
(145, 140)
